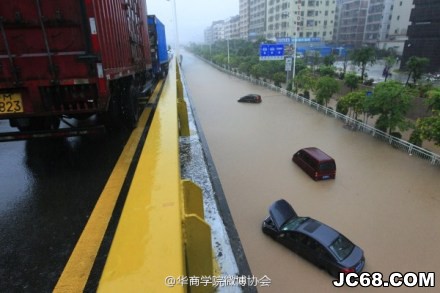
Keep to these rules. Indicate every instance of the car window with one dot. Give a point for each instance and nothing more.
(299, 237)
(308, 159)
(327, 166)
(341, 247)
(312, 243)
(323, 252)
(293, 224)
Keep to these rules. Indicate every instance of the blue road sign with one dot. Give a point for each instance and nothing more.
(271, 52)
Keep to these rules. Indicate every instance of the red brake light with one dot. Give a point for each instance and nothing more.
(347, 270)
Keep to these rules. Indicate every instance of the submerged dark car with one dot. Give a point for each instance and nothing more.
(313, 240)
(251, 98)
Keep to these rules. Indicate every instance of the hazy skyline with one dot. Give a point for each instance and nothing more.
(193, 16)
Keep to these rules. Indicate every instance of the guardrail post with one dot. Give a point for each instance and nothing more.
(198, 244)
(181, 106)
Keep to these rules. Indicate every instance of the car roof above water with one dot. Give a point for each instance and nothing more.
(317, 153)
(318, 231)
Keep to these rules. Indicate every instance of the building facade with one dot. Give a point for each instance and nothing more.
(351, 19)
(244, 19)
(378, 21)
(302, 19)
(424, 33)
(397, 32)
(257, 19)
(232, 28)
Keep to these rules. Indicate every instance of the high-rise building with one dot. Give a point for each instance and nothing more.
(215, 32)
(232, 28)
(257, 19)
(398, 26)
(305, 19)
(378, 21)
(424, 34)
(244, 19)
(351, 18)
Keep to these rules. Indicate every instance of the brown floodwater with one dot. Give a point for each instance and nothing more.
(384, 200)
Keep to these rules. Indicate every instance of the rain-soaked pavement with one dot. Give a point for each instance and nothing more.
(48, 190)
(385, 201)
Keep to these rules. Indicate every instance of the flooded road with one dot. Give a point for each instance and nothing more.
(48, 188)
(385, 201)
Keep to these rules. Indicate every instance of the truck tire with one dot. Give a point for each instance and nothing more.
(112, 117)
(131, 106)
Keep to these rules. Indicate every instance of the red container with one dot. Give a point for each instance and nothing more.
(69, 57)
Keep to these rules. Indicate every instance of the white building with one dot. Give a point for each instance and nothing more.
(350, 26)
(398, 27)
(215, 32)
(232, 28)
(257, 19)
(244, 19)
(377, 23)
(309, 18)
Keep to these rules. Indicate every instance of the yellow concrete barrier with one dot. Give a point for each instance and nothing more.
(193, 199)
(161, 233)
(181, 108)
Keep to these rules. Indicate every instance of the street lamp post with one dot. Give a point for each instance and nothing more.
(295, 41)
(176, 40)
(227, 40)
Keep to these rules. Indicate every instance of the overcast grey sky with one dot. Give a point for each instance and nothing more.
(193, 16)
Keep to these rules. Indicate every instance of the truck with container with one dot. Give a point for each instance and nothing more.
(158, 46)
(72, 59)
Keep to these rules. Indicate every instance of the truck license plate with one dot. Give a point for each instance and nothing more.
(10, 103)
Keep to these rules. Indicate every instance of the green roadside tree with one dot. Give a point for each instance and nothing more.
(415, 66)
(429, 127)
(313, 57)
(362, 57)
(278, 78)
(433, 100)
(391, 100)
(355, 102)
(305, 80)
(325, 87)
(389, 63)
(245, 67)
(351, 80)
(325, 70)
(329, 60)
(257, 70)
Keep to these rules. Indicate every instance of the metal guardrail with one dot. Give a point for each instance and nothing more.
(401, 144)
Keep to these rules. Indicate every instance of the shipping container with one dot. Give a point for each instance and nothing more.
(72, 59)
(158, 46)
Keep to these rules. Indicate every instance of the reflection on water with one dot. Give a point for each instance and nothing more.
(385, 201)
(49, 187)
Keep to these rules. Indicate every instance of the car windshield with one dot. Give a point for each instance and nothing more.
(293, 223)
(341, 247)
(327, 166)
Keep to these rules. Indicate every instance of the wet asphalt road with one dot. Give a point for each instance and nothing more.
(48, 188)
